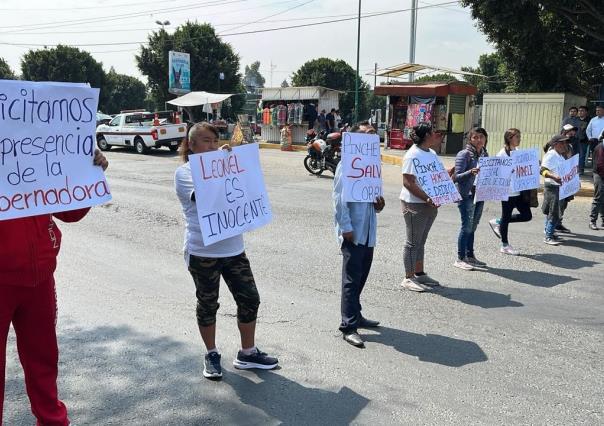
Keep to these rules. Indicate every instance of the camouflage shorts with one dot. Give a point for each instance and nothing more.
(237, 274)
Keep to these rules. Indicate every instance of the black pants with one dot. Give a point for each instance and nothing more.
(356, 263)
(507, 207)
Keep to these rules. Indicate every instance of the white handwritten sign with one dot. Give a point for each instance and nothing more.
(494, 179)
(361, 167)
(526, 170)
(434, 180)
(230, 193)
(571, 182)
(47, 143)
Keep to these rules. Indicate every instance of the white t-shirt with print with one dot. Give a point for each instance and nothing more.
(552, 161)
(503, 153)
(425, 157)
(183, 182)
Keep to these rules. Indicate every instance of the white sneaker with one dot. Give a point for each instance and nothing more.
(463, 265)
(551, 242)
(412, 285)
(508, 249)
(494, 224)
(427, 280)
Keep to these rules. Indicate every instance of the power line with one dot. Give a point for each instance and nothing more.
(52, 9)
(273, 15)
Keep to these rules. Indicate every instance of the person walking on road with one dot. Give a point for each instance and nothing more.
(550, 170)
(28, 258)
(597, 206)
(466, 169)
(356, 227)
(517, 200)
(419, 211)
(207, 263)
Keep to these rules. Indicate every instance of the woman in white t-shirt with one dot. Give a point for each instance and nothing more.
(207, 263)
(550, 170)
(517, 200)
(419, 210)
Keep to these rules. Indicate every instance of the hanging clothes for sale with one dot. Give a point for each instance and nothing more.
(291, 113)
(275, 115)
(299, 113)
(266, 116)
(417, 113)
(282, 115)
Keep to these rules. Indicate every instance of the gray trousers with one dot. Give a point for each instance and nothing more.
(597, 206)
(419, 218)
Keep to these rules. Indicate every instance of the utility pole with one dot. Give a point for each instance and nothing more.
(272, 69)
(375, 76)
(412, 37)
(356, 90)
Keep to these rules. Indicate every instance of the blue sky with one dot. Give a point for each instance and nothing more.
(446, 35)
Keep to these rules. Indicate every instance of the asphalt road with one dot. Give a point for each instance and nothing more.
(521, 343)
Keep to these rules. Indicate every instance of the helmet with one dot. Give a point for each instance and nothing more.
(335, 137)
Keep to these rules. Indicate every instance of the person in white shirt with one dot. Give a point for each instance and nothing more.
(595, 127)
(207, 263)
(517, 200)
(550, 170)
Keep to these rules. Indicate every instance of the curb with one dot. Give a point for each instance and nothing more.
(267, 145)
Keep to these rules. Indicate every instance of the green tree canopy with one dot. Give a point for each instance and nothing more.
(252, 77)
(436, 77)
(552, 45)
(284, 83)
(64, 63)
(497, 75)
(5, 71)
(125, 92)
(210, 56)
(333, 74)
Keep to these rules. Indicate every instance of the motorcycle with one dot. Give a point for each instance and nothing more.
(323, 152)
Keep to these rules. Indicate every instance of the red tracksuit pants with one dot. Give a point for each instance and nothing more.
(32, 311)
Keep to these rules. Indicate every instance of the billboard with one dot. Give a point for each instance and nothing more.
(179, 73)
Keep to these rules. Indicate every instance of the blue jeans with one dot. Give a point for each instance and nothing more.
(470, 217)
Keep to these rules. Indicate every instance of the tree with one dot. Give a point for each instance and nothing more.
(497, 78)
(5, 72)
(284, 83)
(210, 56)
(252, 79)
(333, 74)
(436, 77)
(124, 92)
(552, 45)
(64, 63)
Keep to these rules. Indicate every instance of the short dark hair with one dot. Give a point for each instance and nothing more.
(573, 107)
(479, 130)
(333, 110)
(583, 107)
(600, 106)
(357, 127)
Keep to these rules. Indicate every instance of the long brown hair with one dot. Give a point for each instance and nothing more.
(184, 151)
(508, 135)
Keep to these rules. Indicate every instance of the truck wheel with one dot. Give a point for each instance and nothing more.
(103, 145)
(173, 148)
(140, 146)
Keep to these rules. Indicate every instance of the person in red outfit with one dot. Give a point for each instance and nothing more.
(28, 257)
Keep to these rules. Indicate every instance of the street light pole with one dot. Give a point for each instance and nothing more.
(162, 24)
(412, 37)
(356, 89)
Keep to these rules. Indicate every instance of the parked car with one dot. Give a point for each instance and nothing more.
(102, 118)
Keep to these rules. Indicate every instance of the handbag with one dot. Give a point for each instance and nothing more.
(530, 196)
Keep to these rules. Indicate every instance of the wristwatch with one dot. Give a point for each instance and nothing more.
(428, 200)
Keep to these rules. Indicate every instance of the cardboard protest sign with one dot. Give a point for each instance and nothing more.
(230, 193)
(47, 143)
(435, 181)
(494, 179)
(361, 167)
(569, 173)
(526, 170)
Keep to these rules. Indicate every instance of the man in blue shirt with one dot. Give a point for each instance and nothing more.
(356, 226)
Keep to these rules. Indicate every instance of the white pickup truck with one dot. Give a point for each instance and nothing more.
(141, 130)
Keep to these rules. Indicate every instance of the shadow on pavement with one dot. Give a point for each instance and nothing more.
(585, 245)
(432, 348)
(291, 403)
(116, 375)
(534, 278)
(562, 260)
(484, 299)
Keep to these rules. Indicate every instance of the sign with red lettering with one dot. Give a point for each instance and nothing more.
(434, 180)
(361, 167)
(525, 170)
(47, 143)
(494, 179)
(230, 193)
(569, 173)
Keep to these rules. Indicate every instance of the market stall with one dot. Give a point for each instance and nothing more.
(446, 105)
(293, 107)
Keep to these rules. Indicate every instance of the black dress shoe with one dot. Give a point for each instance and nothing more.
(367, 323)
(354, 339)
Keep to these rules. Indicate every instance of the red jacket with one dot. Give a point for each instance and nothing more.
(29, 247)
(598, 159)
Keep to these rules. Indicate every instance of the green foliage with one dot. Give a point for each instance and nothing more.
(497, 78)
(447, 78)
(209, 57)
(64, 63)
(124, 92)
(284, 83)
(554, 45)
(252, 77)
(334, 74)
(5, 72)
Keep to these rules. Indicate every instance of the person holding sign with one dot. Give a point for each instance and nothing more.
(517, 200)
(419, 209)
(208, 262)
(28, 257)
(466, 169)
(356, 227)
(597, 206)
(550, 170)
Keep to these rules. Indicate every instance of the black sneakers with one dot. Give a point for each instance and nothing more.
(211, 366)
(563, 229)
(258, 359)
